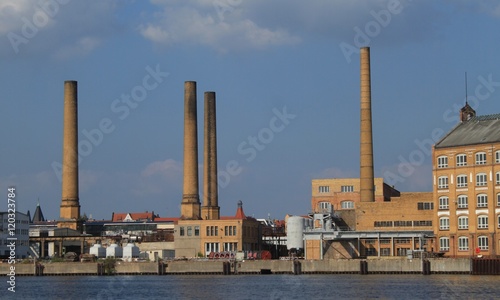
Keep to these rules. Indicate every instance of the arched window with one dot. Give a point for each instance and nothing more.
(444, 243)
(497, 178)
(463, 243)
(463, 222)
(443, 182)
(481, 179)
(482, 242)
(482, 222)
(442, 161)
(463, 201)
(348, 204)
(444, 202)
(482, 200)
(461, 181)
(461, 160)
(444, 223)
(497, 157)
(325, 206)
(480, 158)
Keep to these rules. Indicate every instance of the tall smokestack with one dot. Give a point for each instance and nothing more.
(367, 183)
(70, 205)
(210, 209)
(190, 205)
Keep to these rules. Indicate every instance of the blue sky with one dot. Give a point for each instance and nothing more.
(290, 63)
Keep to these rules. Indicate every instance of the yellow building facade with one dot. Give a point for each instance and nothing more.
(466, 179)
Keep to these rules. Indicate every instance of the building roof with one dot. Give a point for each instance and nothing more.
(131, 217)
(38, 216)
(477, 130)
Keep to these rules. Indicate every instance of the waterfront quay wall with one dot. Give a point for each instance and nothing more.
(331, 266)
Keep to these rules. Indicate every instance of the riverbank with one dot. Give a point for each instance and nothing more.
(341, 266)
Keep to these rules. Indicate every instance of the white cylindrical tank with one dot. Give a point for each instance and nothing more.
(114, 250)
(98, 251)
(294, 233)
(130, 251)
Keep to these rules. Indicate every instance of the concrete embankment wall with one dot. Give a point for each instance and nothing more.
(340, 266)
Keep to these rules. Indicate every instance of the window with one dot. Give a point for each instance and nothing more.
(443, 182)
(481, 179)
(481, 158)
(461, 160)
(463, 201)
(422, 223)
(211, 247)
(462, 181)
(463, 222)
(482, 242)
(181, 231)
(482, 200)
(498, 199)
(482, 222)
(230, 230)
(442, 161)
(498, 219)
(443, 202)
(444, 223)
(444, 244)
(212, 230)
(497, 157)
(463, 243)
(498, 178)
(230, 246)
(196, 230)
(347, 204)
(382, 224)
(403, 223)
(425, 206)
(189, 231)
(347, 188)
(325, 206)
(324, 189)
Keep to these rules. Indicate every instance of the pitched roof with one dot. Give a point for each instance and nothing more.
(477, 130)
(38, 216)
(131, 217)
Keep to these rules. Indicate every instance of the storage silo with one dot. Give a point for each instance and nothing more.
(114, 250)
(98, 251)
(130, 251)
(294, 234)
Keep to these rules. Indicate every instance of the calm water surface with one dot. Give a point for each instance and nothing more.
(257, 287)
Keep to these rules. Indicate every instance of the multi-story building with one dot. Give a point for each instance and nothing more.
(390, 225)
(466, 171)
(20, 225)
(193, 238)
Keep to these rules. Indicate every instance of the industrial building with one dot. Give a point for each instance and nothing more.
(466, 181)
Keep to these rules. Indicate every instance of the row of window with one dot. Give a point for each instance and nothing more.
(481, 180)
(463, 201)
(461, 159)
(211, 230)
(401, 223)
(347, 204)
(214, 247)
(463, 243)
(463, 222)
(343, 189)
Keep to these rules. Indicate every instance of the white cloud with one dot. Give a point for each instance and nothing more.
(61, 29)
(168, 168)
(206, 23)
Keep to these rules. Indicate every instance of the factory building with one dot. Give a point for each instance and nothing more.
(466, 180)
(201, 231)
(359, 217)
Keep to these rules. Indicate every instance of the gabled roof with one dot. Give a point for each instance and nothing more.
(477, 130)
(131, 217)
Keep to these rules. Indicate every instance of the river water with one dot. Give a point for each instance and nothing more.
(256, 287)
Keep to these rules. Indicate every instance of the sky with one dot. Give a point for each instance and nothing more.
(286, 77)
